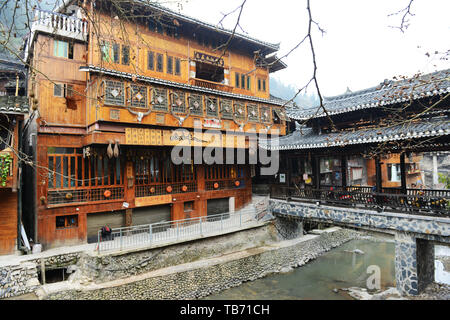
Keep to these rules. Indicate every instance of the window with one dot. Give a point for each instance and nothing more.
(63, 49)
(177, 66)
(138, 96)
(105, 52)
(116, 52)
(211, 107)
(160, 100)
(209, 72)
(196, 104)
(248, 83)
(169, 65)
(188, 206)
(62, 90)
(243, 81)
(226, 109)
(261, 84)
(68, 169)
(114, 93)
(394, 172)
(151, 60)
(236, 80)
(159, 62)
(67, 221)
(252, 112)
(125, 55)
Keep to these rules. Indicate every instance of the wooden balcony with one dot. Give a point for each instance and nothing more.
(6, 168)
(210, 85)
(59, 24)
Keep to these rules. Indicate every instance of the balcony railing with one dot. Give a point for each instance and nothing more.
(210, 85)
(59, 24)
(415, 201)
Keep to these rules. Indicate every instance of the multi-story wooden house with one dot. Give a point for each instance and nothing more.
(112, 84)
(13, 107)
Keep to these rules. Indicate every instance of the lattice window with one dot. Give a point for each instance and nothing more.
(226, 109)
(196, 104)
(280, 113)
(178, 102)
(239, 111)
(252, 112)
(114, 93)
(138, 96)
(160, 100)
(264, 114)
(211, 107)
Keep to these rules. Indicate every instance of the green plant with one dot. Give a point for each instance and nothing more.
(5, 164)
(444, 179)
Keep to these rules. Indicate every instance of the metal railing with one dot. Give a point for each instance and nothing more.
(176, 230)
(415, 201)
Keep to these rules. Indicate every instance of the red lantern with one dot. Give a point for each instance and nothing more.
(237, 183)
(216, 185)
(152, 190)
(107, 194)
(184, 188)
(169, 189)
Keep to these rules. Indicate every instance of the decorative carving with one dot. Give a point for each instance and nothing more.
(177, 104)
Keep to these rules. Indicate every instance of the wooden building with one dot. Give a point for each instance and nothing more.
(13, 107)
(112, 86)
(366, 150)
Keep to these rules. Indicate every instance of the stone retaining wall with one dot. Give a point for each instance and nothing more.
(195, 280)
(18, 279)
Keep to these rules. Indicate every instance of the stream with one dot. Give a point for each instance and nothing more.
(336, 269)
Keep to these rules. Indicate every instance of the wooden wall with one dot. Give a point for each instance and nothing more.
(8, 221)
(141, 39)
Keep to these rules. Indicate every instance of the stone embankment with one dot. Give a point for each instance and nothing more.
(186, 270)
(203, 277)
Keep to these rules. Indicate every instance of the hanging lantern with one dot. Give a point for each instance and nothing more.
(169, 189)
(69, 196)
(216, 185)
(237, 183)
(184, 188)
(152, 190)
(107, 193)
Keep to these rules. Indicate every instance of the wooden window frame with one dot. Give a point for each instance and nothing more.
(177, 66)
(150, 60)
(159, 62)
(67, 223)
(169, 65)
(125, 55)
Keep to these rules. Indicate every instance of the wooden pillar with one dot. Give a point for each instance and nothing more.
(403, 172)
(316, 171)
(344, 171)
(378, 175)
(289, 171)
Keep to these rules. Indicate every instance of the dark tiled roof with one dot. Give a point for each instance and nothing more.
(12, 104)
(386, 93)
(178, 85)
(305, 138)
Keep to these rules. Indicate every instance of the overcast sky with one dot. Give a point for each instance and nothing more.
(358, 50)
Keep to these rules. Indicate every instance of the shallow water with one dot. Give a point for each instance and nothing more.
(317, 279)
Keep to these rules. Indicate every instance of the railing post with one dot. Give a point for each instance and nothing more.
(98, 241)
(150, 234)
(240, 218)
(178, 230)
(121, 239)
(201, 232)
(221, 222)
